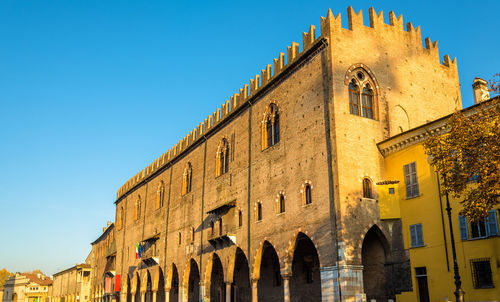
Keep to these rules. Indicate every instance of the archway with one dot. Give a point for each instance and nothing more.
(160, 294)
(374, 253)
(193, 282)
(270, 286)
(149, 289)
(241, 291)
(173, 295)
(137, 289)
(305, 282)
(14, 297)
(217, 288)
(129, 295)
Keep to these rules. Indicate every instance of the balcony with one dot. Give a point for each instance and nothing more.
(226, 235)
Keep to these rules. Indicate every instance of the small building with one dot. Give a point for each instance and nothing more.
(72, 284)
(105, 284)
(411, 193)
(26, 287)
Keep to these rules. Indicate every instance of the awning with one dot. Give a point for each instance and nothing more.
(222, 208)
(151, 238)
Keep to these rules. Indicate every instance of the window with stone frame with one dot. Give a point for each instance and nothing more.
(187, 179)
(160, 193)
(281, 203)
(486, 227)
(137, 211)
(362, 92)
(307, 194)
(367, 188)
(222, 158)
(240, 218)
(270, 128)
(259, 211)
(411, 180)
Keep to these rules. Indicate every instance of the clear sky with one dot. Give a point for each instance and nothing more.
(93, 91)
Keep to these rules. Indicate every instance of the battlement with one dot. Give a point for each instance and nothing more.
(330, 26)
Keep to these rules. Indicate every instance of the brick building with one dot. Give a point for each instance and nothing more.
(72, 284)
(272, 197)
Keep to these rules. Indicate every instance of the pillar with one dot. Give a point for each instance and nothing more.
(255, 293)
(132, 296)
(143, 296)
(167, 295)
(154, 295)
(228, 291)
(286, 288)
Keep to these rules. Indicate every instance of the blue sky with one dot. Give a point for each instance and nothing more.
(93, 91)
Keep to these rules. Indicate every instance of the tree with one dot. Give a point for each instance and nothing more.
(4, 275)
(495, 84)
(467, 156)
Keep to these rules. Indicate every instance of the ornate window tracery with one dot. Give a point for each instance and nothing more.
(222, 158)
(362, 88)
(187, 179)
(270, 131)
(160, 192)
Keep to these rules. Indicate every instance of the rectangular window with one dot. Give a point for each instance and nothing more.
(486, 227)
(481, 273)
(464, 232)
(416, 235)
(411, 181)
(423, 289)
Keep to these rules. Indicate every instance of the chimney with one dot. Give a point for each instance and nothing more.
(480, 89)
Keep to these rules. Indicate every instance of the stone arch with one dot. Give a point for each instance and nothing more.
(399, 120)
(172, 283)
(214, 279)
(267, 272)
(375, 253)
(305, 277)
(292, 245)
(136, 287)
(257, 259)
(191, 281)
(126, 288)
(159, 285)
(238, 274)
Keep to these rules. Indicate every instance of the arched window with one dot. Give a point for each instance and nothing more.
(159, 195)
(270, 127)
(240, 218)
(187, 179)
(137, 212)
(192, 234)
(180, 238)
(220, 226)
(222, 158)
(307, 194)
(367, 188)
(353, 98)
(259, 211)
(362, 89)
(367, 102)
(281, 203)
(120, 218)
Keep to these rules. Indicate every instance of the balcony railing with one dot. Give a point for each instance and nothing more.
(226, 234)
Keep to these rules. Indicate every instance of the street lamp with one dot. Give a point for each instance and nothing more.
(459, 293)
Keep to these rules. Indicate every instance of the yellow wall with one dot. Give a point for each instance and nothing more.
(427, 210)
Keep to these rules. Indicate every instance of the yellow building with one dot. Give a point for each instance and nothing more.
(27, 287)
(411, 192)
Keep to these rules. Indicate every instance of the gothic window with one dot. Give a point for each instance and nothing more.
(222, 158)
(137, 212)
(240, 218)
(306, 193)
(120, 218)
(367, 102)
(367, 188)
(187, 179)
(353, 98)
(362, 92)
(160, 192)
(270, 127)
(259, 211)
(192, 234)
(281, 203)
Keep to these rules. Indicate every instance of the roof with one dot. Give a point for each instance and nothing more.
(44, 280)
(83, 265)
(105, 233)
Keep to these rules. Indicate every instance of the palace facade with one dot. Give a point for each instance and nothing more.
(273, 197)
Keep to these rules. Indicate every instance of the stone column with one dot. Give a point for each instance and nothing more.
(167, 295)
(154, 295)
(329, 284)
(228, 291)
(132, 296)
(286, 288)
(255, 293)
(143, 296)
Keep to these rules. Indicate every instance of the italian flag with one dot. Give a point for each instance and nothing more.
(137, 251)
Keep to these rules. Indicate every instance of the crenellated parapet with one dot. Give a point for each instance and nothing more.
(330, 26)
